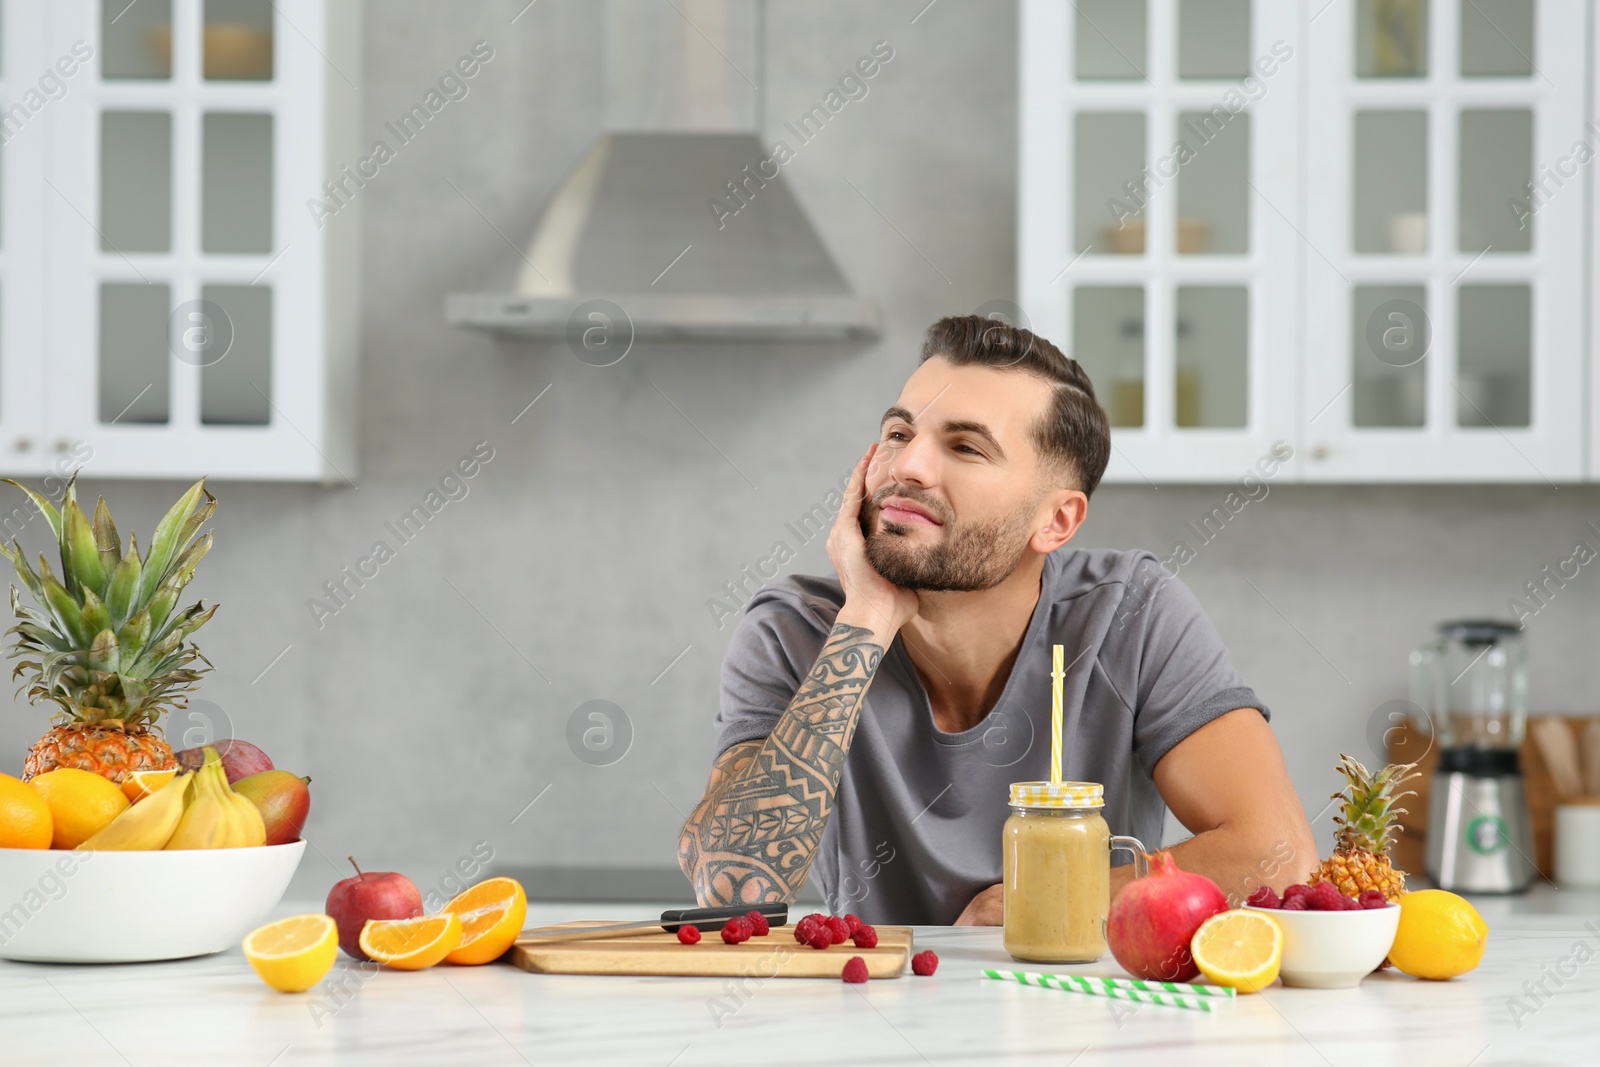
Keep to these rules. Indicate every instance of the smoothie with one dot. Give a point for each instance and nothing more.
(1057, 884)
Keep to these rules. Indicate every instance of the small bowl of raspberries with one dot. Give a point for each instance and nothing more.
(1330, 941)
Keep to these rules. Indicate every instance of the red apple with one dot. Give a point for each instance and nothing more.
(240, 759)
(284, 802)
(369, 895)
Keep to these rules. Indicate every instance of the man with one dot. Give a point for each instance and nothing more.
(871, 725)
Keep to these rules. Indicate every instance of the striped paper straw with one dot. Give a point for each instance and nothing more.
(1056, 674)
(1169, 994)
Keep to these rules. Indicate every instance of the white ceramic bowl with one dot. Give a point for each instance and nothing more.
(132, 907)
(1333, 949)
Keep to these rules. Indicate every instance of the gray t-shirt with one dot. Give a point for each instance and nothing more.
(915, 832)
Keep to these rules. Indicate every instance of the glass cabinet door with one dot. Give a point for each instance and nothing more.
(1444, 251)
(23, 448)
(1160, 235)
(184, 158)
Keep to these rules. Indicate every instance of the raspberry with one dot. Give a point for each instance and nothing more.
(1324, 896)
(735, 931)
(924, 962)
(838, 928)
(821, 937)
(1373, 898)
(1349, 903)
(865, 936)
(855, 970)
(817, 916)
(1294, 903)
(1296, 890)
(758, 923)
(805, 930)
(688, 935)
(1264, 897)
(854, 923)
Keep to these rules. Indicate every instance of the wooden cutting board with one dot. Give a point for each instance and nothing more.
(659, 953)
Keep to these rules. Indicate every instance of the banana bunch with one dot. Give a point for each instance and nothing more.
(149, 824)
(215, 816)
(198, 810)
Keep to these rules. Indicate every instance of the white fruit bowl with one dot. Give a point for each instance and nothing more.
(1333, 949)
(134, 907)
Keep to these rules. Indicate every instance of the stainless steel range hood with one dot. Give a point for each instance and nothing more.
(678, 215)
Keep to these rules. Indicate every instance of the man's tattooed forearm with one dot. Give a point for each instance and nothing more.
(753, 837)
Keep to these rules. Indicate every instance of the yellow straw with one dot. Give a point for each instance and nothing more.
(1056, 674)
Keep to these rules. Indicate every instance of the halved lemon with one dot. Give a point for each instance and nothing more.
(293, 954)
(491, 913)
(1239, 948)
(141, 784)
(411, 944)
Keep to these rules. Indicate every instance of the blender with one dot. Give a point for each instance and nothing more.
(1472, 684)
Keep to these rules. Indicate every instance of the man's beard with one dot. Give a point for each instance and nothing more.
(968, 557)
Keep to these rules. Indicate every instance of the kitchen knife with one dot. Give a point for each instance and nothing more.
(671, 919)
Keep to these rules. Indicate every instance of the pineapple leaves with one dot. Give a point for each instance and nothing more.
(106, 541)
(65, 609)
(134, 634)
(47, 509)
(166, 541)
(124, 587)
(80, 555)
(107, 639)
(95, 615)
(105, 654)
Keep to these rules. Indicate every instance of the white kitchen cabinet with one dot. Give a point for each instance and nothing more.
(192, 314)
(1388, 156)
(1428, 122)
(1155, 222)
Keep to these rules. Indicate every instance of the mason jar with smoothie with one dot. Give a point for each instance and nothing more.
(1057, 856)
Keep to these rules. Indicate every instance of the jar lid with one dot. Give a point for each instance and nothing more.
(1057, 795)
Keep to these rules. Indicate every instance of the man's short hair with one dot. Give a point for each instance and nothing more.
(1074, 436)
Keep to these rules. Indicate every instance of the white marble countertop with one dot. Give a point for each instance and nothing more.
(214, 1011)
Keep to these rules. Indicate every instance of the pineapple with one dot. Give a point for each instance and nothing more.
(1360, 858)
(104, 642)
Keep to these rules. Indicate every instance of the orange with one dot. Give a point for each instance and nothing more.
(141, 784)
(411, 944)
(81, 804)
(24, 816)
(491, 918)
(293, 954)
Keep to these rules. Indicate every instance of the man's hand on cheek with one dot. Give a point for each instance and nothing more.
(986, 909)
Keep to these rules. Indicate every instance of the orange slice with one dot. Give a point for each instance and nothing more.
(293, 954)
(411, 944)
(491, 913)
(141, 784)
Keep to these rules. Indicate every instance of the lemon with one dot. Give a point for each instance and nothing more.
(81, 804)
(1239, 948)
(1441, 935)
(292, 955)
(24, 816)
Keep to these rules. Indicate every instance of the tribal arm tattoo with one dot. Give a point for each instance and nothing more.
(752, 838)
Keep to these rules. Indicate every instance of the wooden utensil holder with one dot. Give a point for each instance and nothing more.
(1411, 845)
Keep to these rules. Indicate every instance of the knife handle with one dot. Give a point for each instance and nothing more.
(776, 914)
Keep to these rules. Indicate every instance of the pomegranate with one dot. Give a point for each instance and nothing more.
(1154, 918)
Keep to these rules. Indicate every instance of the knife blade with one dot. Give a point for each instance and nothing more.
(670, 921)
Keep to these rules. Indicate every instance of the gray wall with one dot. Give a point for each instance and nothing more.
(433, 708)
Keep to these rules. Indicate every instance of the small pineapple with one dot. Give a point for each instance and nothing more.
(104, 643)
(1360, 858)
